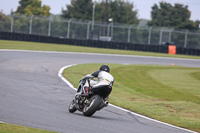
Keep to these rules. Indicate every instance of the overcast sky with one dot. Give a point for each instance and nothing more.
(143, 6)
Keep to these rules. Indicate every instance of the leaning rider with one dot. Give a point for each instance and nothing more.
(105, 79)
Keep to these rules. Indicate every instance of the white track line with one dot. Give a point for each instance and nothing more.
(71, 86)
(64, 79)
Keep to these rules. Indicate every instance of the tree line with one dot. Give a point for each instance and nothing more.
(162, 15)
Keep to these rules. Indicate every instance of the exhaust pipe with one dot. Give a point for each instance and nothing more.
(106, 102)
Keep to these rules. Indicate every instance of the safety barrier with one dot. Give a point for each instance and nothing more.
(95, 43)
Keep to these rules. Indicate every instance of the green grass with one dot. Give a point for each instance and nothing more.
(69, 48)
(165, 93)
(10, 128)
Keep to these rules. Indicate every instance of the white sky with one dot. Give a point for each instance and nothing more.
(143, 6)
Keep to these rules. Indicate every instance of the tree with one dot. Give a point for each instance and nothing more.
(121, 11)
(33, 7)
(197, 24)
(4, 22)
(166, 15)
(79, 9)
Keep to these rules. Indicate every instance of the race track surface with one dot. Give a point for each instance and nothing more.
(32, 94)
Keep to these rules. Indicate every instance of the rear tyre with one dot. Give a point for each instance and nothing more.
(93, 106)
(72, 107)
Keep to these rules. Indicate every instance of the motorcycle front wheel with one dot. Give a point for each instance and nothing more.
(72, 107)
(93, 106)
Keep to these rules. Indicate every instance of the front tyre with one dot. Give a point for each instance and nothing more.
(72, 107)
(93, 106)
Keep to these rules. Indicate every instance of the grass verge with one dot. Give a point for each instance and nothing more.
(70, 48)
(10, 128)
(169, 94)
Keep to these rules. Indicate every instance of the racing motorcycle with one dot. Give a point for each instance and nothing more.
(91, 103)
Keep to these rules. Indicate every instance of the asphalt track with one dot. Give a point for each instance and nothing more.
(32, 94)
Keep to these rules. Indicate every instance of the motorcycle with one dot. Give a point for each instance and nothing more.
(91, 103)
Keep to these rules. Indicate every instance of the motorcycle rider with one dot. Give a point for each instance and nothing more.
(105, 80)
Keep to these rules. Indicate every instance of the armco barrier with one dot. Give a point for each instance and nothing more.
(95, 43)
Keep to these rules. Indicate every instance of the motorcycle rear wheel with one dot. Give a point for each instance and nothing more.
(72, 107)
(93, 106)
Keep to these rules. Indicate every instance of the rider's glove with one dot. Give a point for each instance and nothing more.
(87, 77)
